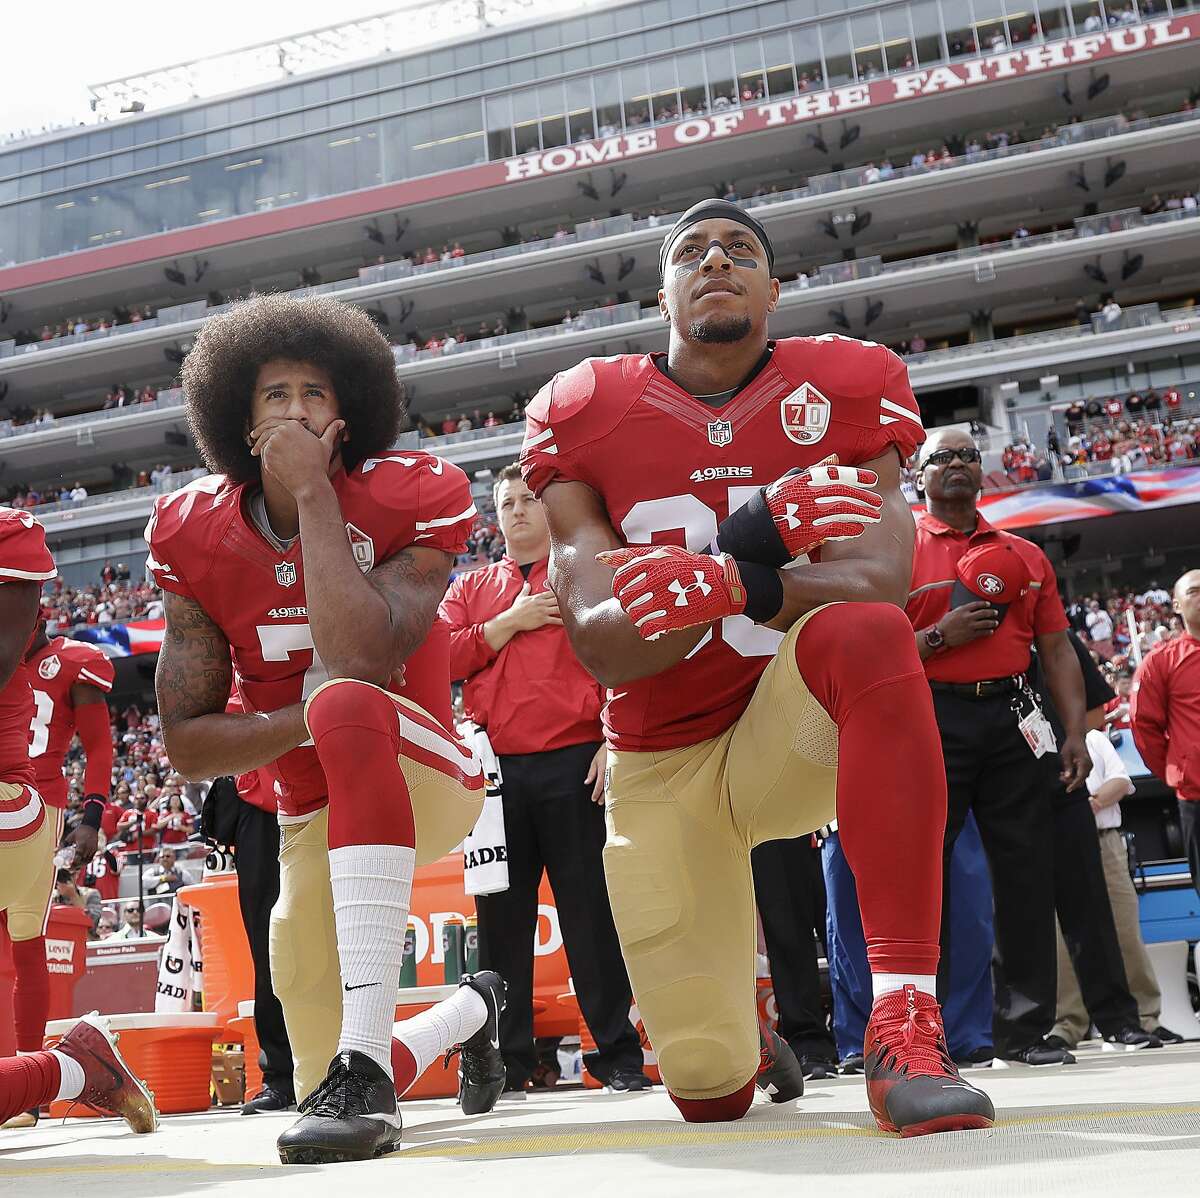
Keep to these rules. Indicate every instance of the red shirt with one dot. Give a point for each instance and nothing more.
(1006, 651)
(53, 671)
(1165, 713)
(204, 546)
(104, 873)
(533, 695)
(1172, 398)
(669, 468)
(23, 558)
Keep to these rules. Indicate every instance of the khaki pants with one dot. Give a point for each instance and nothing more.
(305, 972)
(1072, 1017)
(27, 867)
(681, 824)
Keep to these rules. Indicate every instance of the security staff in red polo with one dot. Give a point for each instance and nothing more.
(541, 710)
(979, 599)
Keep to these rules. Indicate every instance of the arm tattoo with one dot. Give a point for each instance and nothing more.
(195, 672)
(413, 583)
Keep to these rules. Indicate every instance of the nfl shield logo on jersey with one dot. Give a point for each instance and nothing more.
(805, 415)
(720, 432)
(362, 547)
(285, 574)
(49, 667)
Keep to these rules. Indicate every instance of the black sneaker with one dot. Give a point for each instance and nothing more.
(351, 1116)
(1165, 1036)
(269, 1099)
(480, 1065)
(626, 1081)
(780, 1077)
(816, 1069)
(977, 1058)
(1052, 1050)
(1131, 1039)
(854, 1063)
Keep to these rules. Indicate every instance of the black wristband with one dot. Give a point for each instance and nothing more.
(749, 534)
(764, 591)
(93, 811)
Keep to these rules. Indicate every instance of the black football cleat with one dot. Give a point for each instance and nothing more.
(627, 1081)
(269, 1099)
(351, 1116)
(109, 1084)
(852, 1064)
(480, 1066)
(817, 1069)
(780, 1077)
(913, 1085)
(1131, 1039)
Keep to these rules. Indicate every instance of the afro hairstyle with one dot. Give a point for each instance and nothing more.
(221, 369)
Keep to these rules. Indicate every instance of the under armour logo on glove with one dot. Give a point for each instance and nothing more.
(663, 588)
(678, 589)
(826, 502)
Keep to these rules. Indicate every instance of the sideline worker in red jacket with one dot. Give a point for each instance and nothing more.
(1165, 713)
(541, 710)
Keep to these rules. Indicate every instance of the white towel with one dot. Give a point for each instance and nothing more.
(180, 971)
(485, 850)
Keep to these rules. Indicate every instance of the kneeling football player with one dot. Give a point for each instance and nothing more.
(731, 553)
(308, 569)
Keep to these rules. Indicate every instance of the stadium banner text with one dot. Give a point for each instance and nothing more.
(837, 101)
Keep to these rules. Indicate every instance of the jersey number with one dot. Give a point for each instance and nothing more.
(698, 523)
(279, 641)
(39, 728)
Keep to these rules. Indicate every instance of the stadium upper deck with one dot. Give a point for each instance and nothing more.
(630, 81)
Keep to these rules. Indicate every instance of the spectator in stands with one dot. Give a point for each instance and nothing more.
(68, 894)
(109, 922)
(165, 876)
(132, 928)
(173, 823)
(1100, 629)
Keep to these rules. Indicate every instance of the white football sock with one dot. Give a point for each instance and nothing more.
(71, 1076)
(433, 1033)
(372, 888)
(885, 983)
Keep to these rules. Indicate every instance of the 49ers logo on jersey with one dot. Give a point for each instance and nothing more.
(49, 667)
(805, 414)
(362, 547)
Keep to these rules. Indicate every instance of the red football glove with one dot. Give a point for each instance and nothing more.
(826, 502)
(663, 588)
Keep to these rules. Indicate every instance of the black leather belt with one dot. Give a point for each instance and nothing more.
(987, 688)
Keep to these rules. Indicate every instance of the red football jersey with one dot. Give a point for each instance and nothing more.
(52, 672)
(670, 468)
(203, 545)
(23, 558)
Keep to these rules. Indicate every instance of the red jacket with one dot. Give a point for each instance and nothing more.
(533, 695)
(1165, 713)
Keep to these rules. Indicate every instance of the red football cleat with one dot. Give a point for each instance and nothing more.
(109, 1084)
(913, 1085)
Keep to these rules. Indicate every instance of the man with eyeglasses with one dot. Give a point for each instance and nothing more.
(980, 599)
(132, 928)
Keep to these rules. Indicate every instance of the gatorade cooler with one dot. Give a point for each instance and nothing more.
(172, 1054)
(228, 966)
(243, 1028)
(66, 956)
(439, 1080)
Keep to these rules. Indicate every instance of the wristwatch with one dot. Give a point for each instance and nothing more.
(934, 637)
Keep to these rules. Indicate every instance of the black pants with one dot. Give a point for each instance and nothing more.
(1189, 823)
(1085, 914)
(789, 888)
(257, 842)
(551, 824)
(990, 770)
